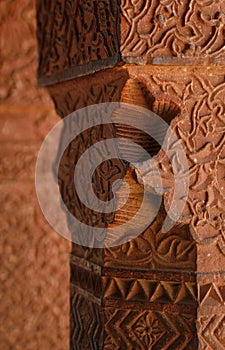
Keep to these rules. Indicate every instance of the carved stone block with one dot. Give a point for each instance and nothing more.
(159, 290)
(150, 284)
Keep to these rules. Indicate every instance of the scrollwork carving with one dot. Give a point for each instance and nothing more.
(160, 31)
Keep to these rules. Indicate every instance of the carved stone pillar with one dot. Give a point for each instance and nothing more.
(159, 290)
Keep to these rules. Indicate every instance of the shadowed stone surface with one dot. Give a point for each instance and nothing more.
(159, 290)
(34, 259)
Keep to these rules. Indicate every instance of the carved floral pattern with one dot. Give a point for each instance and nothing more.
(201, 130)
(148, 330)
(158, 31)
(154, 249)
(171, 28)
(135, 329)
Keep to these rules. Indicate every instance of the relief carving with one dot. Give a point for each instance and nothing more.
(101, 87)
(72, 34)
(212, 332)
(132, 329)
(201, 131)
(162, 309)
(146, 293)
(163, 31)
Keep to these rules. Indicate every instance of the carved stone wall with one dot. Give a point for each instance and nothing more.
(156, 272)
(159, 290)
(34, 259)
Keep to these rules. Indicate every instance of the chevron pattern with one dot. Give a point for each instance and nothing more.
(86, 324)
(86, 279)
(130, 329)
(212, 294)
(212, 332)
(144, 290)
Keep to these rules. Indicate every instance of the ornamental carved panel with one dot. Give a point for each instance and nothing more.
(201, 131)
(76, 37)
(173, 31)
(150, 282)
(158, 290)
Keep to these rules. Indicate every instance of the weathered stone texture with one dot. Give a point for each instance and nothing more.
(34, 259)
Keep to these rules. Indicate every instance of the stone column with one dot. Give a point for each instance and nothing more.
(159, 290)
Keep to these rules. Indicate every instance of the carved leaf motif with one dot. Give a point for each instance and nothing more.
(173, 247)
